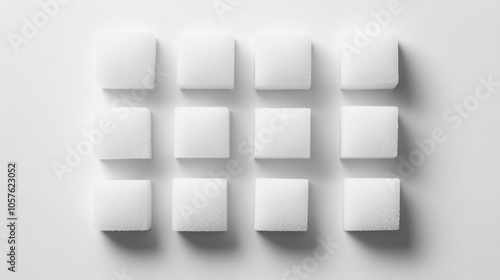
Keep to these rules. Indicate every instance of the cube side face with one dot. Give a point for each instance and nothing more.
(206, 62)
(199, 204)
(369, 132)
(371, 66)
(125, 134)
(123, 205)
(283, 62)
(126, 60)
(371, 204)
(281, 204)
(282, 133)
(202, 132)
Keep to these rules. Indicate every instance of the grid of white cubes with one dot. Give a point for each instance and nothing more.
(126, 60)
(201, 132)
(370, 63)
(206, 62)
(368, 132)
(371, 204)
(122, 205)
(282, 133)
(281, 204)
(199, 204)
(283, 62)
(122, 133)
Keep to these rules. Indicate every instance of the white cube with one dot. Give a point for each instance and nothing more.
(201, 132)
(126, 60)
(369, 63)
(199, 204)
(371, 204)
(282, 133)
(206, 62)
(122, 133)
(122, 205)
(368, 132)
(281, 204)
(283, 62)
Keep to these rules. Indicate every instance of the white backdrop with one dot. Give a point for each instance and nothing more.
(450, 203)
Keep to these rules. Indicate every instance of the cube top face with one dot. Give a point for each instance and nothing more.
(283, 62)
(282, 133)
(371, 204)
(125, 133)
(369, 64)
(206, 62)
(123, 205)
(281, 204)
(368, 132)
(199, 204)
(201, 132)
(126, 60)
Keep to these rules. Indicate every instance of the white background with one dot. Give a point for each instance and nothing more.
(450, 205)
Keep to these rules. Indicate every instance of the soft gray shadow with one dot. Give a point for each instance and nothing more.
(298, 241)
(132, 167)
(217, 241)
(135, 240)
(405, 91)
(208, 91)
(203, 164)
(405, 143)
(392, 240)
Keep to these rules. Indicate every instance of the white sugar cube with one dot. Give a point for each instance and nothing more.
(199, 204)
(206, 62)
(368, 63)
(371, 204)
(122, 133)
(283, 62)
(281, 204)
(282, 133)
(126, 60)
(368, 132)
(201, 132)
(122, 205)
